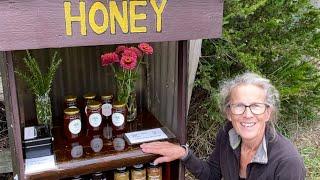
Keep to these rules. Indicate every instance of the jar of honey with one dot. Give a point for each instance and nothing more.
(94, 117)
(121, 174)
(154, 172)
(87, 98)
(119, 117)
(106, 101)
(70, 101)
(72, 122)
(138, 172)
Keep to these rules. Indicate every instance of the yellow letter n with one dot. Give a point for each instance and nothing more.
(116, 16)
(69, 19)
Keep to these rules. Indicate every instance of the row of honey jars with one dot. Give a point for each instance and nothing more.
(139, 172)
(94, 114)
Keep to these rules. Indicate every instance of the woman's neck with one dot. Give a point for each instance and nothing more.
(252, 144)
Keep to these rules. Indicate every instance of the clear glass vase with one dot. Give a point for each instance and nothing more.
(132, 106)
(43, 110)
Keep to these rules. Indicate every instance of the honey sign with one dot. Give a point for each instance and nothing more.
(124, 14)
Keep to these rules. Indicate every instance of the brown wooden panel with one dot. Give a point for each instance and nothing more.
(12, 112)
(36, 24)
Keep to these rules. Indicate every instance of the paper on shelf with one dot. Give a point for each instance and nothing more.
(145, 136)
(40, 164)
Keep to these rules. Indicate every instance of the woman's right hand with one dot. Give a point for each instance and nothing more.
(168, 151)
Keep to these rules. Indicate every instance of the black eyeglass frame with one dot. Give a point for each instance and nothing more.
(249, 106)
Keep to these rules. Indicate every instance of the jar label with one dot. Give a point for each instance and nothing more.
(107, 132)
(119, 144)
(96, 144)
(95, 119)
(75, 126)
(107, 109)
(77, 151)
(117, 119)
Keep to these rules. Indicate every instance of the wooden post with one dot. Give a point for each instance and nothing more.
(12, 113)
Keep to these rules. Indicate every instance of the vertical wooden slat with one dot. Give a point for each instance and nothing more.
(12, 112)
(182, 96)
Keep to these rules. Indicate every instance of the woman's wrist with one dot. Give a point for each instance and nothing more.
(186, 151)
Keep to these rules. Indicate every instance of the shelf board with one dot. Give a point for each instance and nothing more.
(99, 153)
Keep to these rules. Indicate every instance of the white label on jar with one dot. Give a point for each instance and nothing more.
(119, 144)
(96, 144)
(75, 126)
(95, 119)
(106, 109)
(77, 151)
(117, 119)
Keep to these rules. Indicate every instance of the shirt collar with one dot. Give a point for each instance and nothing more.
(261, 155)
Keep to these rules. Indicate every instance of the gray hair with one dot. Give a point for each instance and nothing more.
(272, 94)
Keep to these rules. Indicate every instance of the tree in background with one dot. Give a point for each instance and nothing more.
(277, 39)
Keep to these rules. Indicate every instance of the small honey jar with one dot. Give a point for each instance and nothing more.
(72, 122)
(138, 172)
(121, 174)
(94, 117)
(70, 101)
(119, 117)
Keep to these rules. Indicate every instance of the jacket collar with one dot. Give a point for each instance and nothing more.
(261, 155)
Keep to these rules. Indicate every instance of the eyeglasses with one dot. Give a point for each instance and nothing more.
(256, 108)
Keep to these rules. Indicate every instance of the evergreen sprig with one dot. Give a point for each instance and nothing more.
(39, 83)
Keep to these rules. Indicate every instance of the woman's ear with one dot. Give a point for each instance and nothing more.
(269, 113)
(228, 114)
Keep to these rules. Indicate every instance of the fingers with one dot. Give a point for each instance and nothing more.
(161, 160)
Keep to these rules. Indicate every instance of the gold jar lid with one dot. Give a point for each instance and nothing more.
(70, 98)
(94, 105)
(71, 111)
(106, 96)
(119, 105)
(89, 95)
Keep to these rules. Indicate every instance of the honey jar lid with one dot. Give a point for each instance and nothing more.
(138, 166)
(94, 105)
(70, 98)
(71, 111)
(89, 95)
(119, 104)
(121, 169)
(152, 164)
(106, 96)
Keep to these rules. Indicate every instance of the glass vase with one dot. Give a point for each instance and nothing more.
(132, 106)
(43, 110)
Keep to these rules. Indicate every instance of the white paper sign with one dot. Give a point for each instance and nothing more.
(30, 133)
(40, 164)
(145, 136)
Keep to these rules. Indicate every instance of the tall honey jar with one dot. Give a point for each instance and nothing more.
(138, 172)
(70, 101)
(121, 174)
(94, 118)
(119, 117)
(154, 172)
(72, 122)
(106, 101)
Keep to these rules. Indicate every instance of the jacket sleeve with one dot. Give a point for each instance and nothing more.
(205, 170)
(290, 168)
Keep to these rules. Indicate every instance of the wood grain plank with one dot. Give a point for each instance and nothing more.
(37, 24)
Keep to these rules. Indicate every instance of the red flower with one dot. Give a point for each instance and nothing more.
(120, 49)
(109, 58)
(137, 51)
(128, 60)
(145, 48)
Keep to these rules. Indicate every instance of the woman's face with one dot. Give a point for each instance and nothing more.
(248, 125)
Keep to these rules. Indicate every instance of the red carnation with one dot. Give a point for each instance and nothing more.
(146, 48)
(137, 51)
(109, 58)
(128, 60)
(120, 49)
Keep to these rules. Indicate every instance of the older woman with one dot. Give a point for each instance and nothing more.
(247, 147)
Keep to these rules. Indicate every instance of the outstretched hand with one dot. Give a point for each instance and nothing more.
(167, 150)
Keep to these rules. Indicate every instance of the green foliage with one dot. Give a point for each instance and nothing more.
(277, 39)
(39, 83)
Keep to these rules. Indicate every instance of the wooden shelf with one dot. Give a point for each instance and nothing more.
(99, 153)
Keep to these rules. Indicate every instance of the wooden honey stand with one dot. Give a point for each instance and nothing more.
(81, 31)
